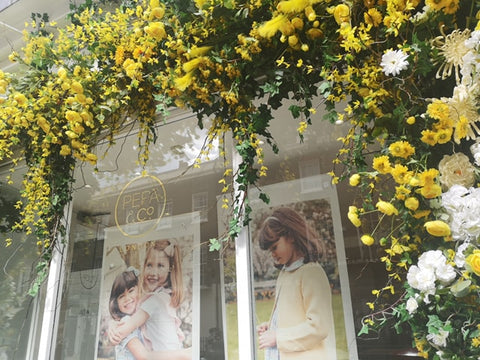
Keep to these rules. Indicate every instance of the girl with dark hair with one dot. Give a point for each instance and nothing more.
(161, 292)
(124, 298)
(301, 325)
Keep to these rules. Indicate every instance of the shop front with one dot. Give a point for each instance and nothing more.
(124, 218)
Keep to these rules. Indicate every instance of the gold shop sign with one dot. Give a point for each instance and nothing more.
(140, 205)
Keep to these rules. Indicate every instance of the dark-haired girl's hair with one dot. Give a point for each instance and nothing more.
(124, 281)
(287, 222)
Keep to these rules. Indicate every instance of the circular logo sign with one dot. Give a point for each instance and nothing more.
(140, 205)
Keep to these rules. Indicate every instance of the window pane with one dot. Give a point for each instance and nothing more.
(129, 220)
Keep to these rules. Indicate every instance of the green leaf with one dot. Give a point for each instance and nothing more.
(363, 330)
(461, 288)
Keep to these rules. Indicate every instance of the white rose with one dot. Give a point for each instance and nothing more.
(411, 305)
(456, 169)
(422, 279)
(445, 274)
(431, 259)
(439, 339)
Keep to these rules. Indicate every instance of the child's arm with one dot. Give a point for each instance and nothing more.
(318, 324)
(119, 331)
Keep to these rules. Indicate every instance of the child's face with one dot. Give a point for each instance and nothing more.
(283, 251)
(157, 269)
(127, 301)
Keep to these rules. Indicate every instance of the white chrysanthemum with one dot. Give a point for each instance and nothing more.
(452, 47)
(394, 61)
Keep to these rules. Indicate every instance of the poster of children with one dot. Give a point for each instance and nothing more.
(149, 299)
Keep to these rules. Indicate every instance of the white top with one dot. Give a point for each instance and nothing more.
(162, 326)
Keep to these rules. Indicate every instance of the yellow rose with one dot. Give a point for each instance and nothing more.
(411, 203)
(354, 180)
(437, 228)
(473, 262)
(367, 240)
(353, 216)
(341, 13)
(158, 12)
(386, 208)
(156, 30)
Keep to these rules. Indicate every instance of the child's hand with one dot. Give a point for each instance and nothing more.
(262, 328)
(114, 335)
(267, 339)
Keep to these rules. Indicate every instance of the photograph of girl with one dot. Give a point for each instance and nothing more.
(301, 324)
(149, 301)
(161, 293)
(124, 299)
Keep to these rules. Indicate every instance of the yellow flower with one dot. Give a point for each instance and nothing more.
(473, 262)
(354, 180)
(292, 6)
(65, 150)
(401, 149)
(401, 174)
(386, 208)
(158, 12)
(183, 82)
(412, 203)
(156, 30)
(437, 228)
(353, 216)
(411, 120)
(367, 240)
(382, 164)
(270, 28)
(341, 13)
(77, 87)
(20, 99)
(431, 191)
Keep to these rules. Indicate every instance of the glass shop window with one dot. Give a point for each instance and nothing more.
(21, 312)
(139, 249)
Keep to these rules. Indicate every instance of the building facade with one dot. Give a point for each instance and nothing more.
(120, 209)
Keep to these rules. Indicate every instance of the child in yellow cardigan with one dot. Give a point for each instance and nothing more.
(301, 325)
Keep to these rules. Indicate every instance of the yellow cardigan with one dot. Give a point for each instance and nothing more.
(305, 328)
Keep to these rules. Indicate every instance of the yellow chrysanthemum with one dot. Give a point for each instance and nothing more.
(401, 149)
(382, 164)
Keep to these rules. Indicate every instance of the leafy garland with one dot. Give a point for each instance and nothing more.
(403, 73)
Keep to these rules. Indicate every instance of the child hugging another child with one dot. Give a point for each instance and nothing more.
(161, 293)
(123, 303)
(301, 325)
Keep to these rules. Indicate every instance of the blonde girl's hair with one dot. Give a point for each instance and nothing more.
(175, 278)
(287, 222)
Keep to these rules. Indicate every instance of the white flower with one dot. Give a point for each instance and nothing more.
(394, 61)
(445, 274)
(431, 259)
(421, 279)
(462, 206)
(411, 305)
(439, 339)
(475, 149)
(460, 256)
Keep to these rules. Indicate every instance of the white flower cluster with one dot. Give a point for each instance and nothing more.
(432, 267)
(463, 206)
